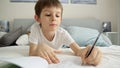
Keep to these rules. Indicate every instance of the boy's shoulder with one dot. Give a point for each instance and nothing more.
(35, 25)
(61, 30)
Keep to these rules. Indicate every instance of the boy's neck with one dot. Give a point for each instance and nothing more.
(49, 35)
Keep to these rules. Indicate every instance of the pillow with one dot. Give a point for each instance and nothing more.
(85, 36)
(22, 40)
(11, 37)
(106, 38)
(4, 25)
(2, 34)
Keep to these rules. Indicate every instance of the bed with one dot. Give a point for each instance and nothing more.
(111, 53)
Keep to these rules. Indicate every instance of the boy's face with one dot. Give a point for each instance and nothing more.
(50, 18)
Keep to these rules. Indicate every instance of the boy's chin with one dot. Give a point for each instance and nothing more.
(53, 29)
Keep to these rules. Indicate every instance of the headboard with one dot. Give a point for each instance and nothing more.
(87, 36)
(89, 23)
(24, 23)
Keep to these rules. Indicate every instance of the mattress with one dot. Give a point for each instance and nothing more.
(110, 59)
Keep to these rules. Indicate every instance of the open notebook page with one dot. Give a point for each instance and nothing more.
(28, 62)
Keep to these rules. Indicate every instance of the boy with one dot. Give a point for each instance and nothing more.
(47, 37)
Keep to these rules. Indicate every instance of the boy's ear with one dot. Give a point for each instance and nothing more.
(36, 18)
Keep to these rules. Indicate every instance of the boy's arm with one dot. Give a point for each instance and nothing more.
(32, 49)
(75, 47)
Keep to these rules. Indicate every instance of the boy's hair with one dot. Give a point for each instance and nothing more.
(41, 4)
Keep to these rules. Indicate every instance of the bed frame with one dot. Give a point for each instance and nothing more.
(89, 23)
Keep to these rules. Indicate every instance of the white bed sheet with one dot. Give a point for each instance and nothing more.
(111, 57)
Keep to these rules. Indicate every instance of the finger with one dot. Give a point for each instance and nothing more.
(92, 62)
(56, 59)
(85, 51)
(93, 55)
(83, 54)
(47, 58)
(90, 57)
(98, 58)
(83, 61)
(53, 58)
(57, 51)
(41, 55)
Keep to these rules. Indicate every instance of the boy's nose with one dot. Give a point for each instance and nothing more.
(53, 18)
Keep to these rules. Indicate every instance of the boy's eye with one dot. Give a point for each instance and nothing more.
(57, 15)
(48, 15)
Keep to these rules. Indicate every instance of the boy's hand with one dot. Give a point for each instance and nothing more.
(93, 59)
(48, 53)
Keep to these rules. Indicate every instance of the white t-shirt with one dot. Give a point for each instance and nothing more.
(62, 37)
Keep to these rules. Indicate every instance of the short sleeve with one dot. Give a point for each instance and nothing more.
(33, 35)
(67, 38)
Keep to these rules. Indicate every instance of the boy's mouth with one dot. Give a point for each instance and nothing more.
(52, 24)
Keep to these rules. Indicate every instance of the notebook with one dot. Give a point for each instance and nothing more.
(24, 62)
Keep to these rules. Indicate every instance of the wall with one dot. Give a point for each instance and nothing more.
(118, 20)
(104, 10)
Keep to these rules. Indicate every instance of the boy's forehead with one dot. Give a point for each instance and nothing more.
(52, 8)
